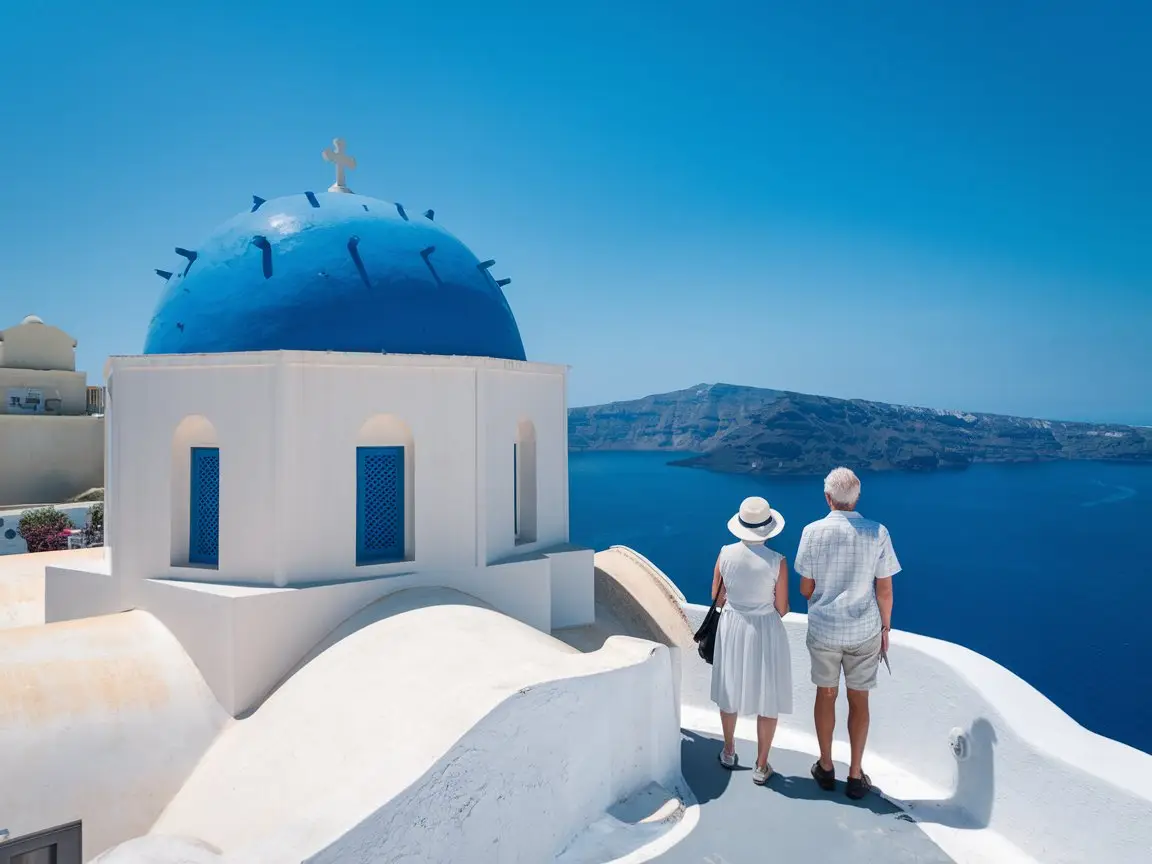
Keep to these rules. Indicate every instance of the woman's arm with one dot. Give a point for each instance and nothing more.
(782, 588)
(719, 595)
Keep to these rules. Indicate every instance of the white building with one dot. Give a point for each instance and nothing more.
(50, 450)
(333, 395)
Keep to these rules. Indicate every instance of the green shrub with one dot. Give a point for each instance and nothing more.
(43, 529)
(94, 529)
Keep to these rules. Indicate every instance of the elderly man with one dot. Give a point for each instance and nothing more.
(846, 563)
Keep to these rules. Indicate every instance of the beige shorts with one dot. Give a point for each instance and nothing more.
(860, 663)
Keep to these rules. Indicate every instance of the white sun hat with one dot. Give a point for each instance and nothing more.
(756, 521)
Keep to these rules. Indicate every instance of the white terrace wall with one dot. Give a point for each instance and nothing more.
(1031, 774)
(45, 459)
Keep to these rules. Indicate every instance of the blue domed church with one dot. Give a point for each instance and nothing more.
(333, 403)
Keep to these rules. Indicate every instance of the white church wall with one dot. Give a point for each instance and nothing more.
(368, 400)
(101, 719)
(152, 400)
(288, 425)
(518, 403)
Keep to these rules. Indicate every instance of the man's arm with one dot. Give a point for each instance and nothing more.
(884, 601)
(887, 567)
(800, 565)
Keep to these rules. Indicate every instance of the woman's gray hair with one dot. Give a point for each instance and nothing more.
(842, 486)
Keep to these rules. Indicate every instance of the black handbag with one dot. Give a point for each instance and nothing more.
(706, 636)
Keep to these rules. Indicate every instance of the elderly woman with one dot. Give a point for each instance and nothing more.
(752, 667)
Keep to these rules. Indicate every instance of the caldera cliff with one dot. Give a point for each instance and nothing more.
(730, 428)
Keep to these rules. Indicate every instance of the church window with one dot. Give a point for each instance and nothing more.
(524, 482)
(204, 507)
(379, 504)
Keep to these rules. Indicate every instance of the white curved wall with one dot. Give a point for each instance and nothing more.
(524, 781)
(101, 720)
(1034, 776)
(421, 709)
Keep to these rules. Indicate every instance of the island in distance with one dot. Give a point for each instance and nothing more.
(725, 427)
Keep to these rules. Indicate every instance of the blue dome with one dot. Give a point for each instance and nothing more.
(333, 271)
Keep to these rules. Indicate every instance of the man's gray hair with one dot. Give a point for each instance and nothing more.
(842, 486)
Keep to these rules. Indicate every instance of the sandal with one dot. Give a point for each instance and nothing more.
(858, 787)
(825, 779)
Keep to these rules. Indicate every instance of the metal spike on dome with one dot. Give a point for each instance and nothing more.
(502, 282)
(484, 265)
(425, 253)
(189, 254)
(430, 215)
(400, 210)
(353, 243)
(166, 274)
(261, 243)
(256, 202)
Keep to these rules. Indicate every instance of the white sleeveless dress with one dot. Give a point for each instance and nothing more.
(752, 666)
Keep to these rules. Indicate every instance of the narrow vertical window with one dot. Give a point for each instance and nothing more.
(524, 482)
(379, 504)
(516, 490)
(204, 507)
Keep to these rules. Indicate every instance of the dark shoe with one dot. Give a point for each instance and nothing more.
(826, 780)
(858, 787)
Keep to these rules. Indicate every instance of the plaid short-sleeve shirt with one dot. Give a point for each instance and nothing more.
(844, 554)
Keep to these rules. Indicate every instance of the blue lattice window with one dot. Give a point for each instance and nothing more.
(379, 504)
(204, 507)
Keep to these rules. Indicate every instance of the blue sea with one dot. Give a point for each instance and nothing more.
(1044, 568)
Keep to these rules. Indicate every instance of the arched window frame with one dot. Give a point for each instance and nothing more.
(196, 486)
(385, 442)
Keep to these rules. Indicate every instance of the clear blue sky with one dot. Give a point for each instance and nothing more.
(947, 204)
